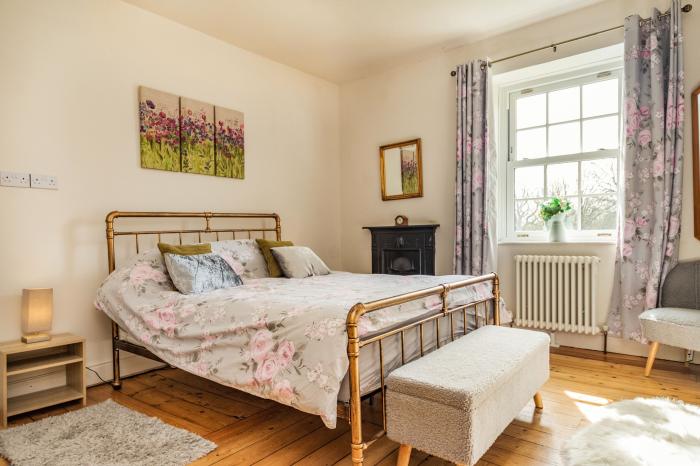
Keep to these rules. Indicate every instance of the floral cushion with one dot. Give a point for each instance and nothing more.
(244, 257)
(200, 273)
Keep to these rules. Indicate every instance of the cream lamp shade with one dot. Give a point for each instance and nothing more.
(37, 313)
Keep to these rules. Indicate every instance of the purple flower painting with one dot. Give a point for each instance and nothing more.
(409, 171)
(229, 143)
(197, 136)
(185, 135)
(159, 130)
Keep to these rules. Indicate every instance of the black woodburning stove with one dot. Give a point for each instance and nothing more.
(403, 250)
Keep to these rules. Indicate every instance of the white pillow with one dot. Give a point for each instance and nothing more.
(299, 262)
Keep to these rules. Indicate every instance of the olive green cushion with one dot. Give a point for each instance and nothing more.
(185, 250)
(265, 246)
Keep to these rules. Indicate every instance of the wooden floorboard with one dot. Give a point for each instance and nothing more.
(249, 430)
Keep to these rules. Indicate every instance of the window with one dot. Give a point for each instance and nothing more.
(564, 141)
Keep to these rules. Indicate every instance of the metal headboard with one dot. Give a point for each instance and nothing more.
(206, 229)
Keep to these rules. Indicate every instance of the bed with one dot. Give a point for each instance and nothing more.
(320, 344)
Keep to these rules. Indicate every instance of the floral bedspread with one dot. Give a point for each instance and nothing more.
(277, 338)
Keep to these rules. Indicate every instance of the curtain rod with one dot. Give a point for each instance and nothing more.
(684, 9)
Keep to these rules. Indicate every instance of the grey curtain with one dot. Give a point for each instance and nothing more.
(475, 180)
(652, 167)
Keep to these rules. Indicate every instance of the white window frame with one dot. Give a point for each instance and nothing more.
(507, 149)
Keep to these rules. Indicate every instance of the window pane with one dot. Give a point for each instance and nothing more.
(562, 179)
(564, 105)
(531, 143)
(600, 133)
(571, 218)
(599, 213)
(599, 176)
(564, 139)
(600, 98)
(529, 182)
(530, 111)
(527, 216)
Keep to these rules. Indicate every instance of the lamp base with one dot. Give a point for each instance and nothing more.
(35, 337)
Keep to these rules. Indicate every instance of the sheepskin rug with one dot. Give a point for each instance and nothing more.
(639, 432)
(103, 434)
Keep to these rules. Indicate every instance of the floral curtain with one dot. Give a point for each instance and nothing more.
(475, 181)
(652, 167)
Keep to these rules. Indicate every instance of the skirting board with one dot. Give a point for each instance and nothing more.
(615, 345)
(130, 365)
(618, 345)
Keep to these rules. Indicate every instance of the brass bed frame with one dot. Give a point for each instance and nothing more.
(352, 411)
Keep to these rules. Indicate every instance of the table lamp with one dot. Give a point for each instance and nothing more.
(37, 310)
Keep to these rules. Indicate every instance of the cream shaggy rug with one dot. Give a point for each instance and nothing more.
(639, 432)
(100, 435)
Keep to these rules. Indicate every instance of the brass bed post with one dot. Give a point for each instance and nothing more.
(357, 445)
(496, 300)
(278, 227)
(116, 380)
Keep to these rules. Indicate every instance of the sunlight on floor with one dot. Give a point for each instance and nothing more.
(590, 399)
(588, 405)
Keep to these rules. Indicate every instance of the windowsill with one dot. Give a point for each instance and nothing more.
(535, 242)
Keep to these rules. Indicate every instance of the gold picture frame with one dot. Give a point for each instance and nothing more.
(695, 96)
(401, 170)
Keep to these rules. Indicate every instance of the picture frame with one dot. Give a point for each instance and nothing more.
(401, 170)
(695, 108)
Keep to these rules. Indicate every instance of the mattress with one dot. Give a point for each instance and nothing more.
(282, 339)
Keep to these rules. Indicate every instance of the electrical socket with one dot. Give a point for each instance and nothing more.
(44, 181)
(14, 179)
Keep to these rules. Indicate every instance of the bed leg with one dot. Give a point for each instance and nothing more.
(116, 381)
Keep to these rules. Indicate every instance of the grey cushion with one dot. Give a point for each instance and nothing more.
(299, 262)
(454, 402)
(200, 273)
(672, 326)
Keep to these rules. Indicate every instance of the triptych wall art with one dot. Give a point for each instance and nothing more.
(184, 135)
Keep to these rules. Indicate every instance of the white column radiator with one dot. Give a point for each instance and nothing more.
(556, 293)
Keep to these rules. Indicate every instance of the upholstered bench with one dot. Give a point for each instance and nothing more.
(454, 402)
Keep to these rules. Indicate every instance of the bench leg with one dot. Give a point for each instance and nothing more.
(538, 401)
(650, 359)
(404, 455)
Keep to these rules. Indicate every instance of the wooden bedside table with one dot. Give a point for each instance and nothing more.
(62, 350)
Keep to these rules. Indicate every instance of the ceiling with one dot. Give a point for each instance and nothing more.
(342, 40)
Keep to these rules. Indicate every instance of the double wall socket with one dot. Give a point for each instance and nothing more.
(43, 182)
(14, 179)
(26, 180)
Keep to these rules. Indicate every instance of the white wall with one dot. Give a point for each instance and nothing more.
(417, 99)
(68, 87)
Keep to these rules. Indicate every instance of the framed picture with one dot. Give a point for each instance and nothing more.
(401, 170)
(695, 107)
(159, 129)
(185, 135)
